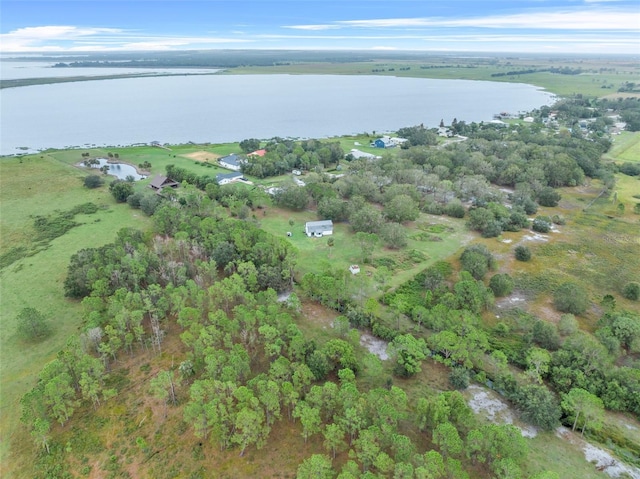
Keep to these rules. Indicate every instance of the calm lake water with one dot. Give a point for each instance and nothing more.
(120, 170)
(225, 108)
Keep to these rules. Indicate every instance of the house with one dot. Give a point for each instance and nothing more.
(357, 154)
(257, 153)
(231, 162)
(387, 142)
(384, 142)
(226, 178)
(318, 228)
(160, 181)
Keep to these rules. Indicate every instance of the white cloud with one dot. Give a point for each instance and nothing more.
(587, 19)
(40, 37)
(71, 38)
(313, 27)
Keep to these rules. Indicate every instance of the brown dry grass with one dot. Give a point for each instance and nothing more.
(203, 156)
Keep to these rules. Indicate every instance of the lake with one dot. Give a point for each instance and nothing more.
(227, 108)
(119, 170)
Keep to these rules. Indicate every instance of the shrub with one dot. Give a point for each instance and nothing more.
(149, 203)
(134, 200)
(559, 220)
(477, 260)
(542, 224)
(32, 325)
(570, 298)
(121, 190)
(455, 209)
(548, 197)
(631, 291)
(459, 378)
(567, 324)
(522, 253)
(93, 181)
(501, 284)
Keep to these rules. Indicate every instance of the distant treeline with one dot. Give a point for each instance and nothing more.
(560, 71)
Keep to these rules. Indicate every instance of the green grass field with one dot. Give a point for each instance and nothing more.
(626, 147)
(598, 78)
(40, 185)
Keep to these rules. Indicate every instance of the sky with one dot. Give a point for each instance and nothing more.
(527, 26)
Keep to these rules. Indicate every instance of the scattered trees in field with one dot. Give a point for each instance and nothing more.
(522, 253)
(121, 190)
(93, 181)
(570, 298)
(32, 325)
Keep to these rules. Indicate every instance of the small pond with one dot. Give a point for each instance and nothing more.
(120, 170)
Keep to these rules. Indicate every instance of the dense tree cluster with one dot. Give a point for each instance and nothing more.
(282, 156)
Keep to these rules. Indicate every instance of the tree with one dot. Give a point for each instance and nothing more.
(93, 181)
(334, 438)
(409, 352)
(249, 145)
(318, 466)
(394, 235)
(547, 196)
(579, 402)
(538, 406)
(570, 298)
(249, 428)
(401, 208)
(446, 436)
(309, 418)
(459, 378)
(567, 325)
(32, 325)
(501, 284)
(477, 260)
(538, 363)
(631, 291)
(522, 253)
(163, 386)
(121, 190)
(367, 243)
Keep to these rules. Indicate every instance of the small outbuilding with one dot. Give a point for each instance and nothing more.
(318, 228)
(354, 268)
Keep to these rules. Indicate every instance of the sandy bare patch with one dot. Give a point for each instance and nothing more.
(204, 156)
(374, 345)
(603, 460)
(489, 404)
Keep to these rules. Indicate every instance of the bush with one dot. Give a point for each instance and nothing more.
(571, 298)
(542, 224)
(459, 378)
(134, 200)
(548, 197)
(32, 325)
(149, 204)
(631, 291)
(477, 260)
(522, 253)
(455, 209)
(93, 181)
(121, 190)
(501, 284)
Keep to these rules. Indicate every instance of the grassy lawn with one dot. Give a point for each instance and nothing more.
(626, 147)
(39, 186)
(316, 256)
